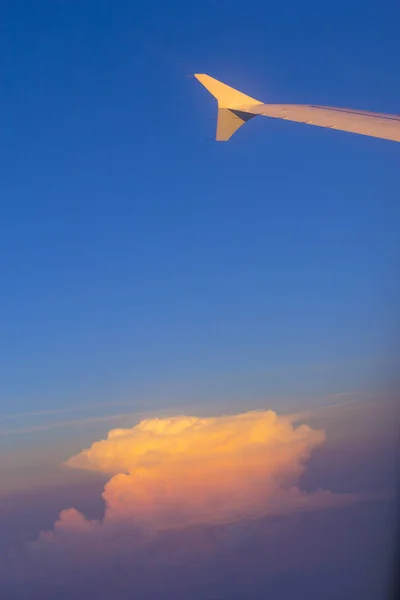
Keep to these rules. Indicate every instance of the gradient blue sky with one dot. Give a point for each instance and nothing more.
(138, 260)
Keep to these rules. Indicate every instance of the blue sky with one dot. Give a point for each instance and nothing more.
(139, 259)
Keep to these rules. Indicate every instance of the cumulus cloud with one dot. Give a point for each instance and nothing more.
(181, 491)
(188, 470)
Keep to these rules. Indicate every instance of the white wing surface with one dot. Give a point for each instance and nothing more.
(235, 109)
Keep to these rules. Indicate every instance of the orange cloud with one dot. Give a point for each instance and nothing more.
(187, 497)
(189, 470)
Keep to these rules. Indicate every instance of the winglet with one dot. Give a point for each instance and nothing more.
(230, 103)
(227, 96)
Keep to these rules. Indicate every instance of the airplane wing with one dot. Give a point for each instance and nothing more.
(235, 109)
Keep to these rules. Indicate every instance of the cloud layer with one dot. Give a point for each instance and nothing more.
(184, 495)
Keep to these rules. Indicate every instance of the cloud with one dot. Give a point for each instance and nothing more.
(185, 493)
(187, 470)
